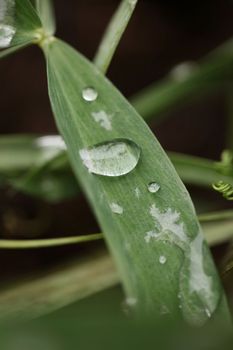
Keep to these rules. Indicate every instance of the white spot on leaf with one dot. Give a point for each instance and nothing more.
(116, 208)
(103, 119)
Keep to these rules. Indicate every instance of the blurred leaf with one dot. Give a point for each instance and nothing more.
(56, 288)
(215, 70)
(19, 24)
(45, 183)
(218, 232)
(198, 171)
(43, 294)
(37, 166)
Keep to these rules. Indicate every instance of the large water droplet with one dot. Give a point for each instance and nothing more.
(89, 94)
(7, 33)
(153, 187)
(111, 158)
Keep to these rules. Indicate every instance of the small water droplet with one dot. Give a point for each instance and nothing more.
(111, 158)
(7, 33)
(116, 208)
(89, 94)
(162, 259)
(153, 187)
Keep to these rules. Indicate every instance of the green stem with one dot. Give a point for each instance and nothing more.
(113, 34)
(216, 216)
(198, 171)
(218, 232)
(42, 243)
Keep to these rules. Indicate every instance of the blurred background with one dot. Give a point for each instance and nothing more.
(160, 35)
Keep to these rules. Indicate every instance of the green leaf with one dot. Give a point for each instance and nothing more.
(198, 171)
(19, 24)
(155, 238)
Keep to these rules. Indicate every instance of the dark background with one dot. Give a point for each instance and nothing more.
(160, 35)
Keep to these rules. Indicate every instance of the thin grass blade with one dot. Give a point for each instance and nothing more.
(50, 242)
(44, 293)
(45, 11)
(210, 74)
(113, 34)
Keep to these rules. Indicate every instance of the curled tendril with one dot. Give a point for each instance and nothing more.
(225, 189)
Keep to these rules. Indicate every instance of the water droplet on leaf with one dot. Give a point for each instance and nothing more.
(153, 187)
(111, 158)
(162, 259)
(89, 94)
